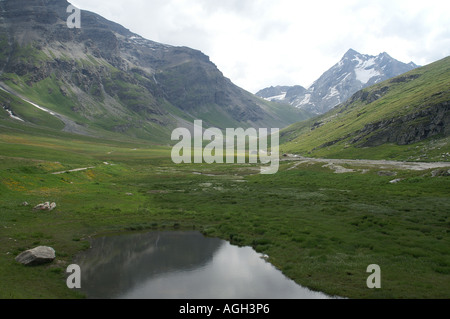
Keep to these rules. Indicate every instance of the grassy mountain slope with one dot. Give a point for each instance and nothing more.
(403, 118)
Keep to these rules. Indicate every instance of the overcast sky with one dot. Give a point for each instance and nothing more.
(260, 43)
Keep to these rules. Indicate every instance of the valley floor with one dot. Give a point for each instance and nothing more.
(320, 228)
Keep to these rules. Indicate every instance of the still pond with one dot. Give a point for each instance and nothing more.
(181, 265)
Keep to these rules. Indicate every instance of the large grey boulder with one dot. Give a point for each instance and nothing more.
(37, 256)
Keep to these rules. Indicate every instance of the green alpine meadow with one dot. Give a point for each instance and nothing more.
(86, 117)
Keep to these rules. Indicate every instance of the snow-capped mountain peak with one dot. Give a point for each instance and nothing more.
(352, 73)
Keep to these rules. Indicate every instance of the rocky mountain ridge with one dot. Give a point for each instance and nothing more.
(352, 73)
(105, 77)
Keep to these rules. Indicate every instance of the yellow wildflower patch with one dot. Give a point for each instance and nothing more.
(14, 185)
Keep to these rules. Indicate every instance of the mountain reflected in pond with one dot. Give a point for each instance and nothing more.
(181, 265)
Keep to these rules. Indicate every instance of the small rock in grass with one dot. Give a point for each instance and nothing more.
(46, 206)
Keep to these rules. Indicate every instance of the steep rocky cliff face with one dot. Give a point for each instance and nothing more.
(108, 77)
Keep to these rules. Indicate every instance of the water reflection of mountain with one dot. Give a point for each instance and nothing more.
(116, 264)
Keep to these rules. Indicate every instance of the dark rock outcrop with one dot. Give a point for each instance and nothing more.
(408, 129)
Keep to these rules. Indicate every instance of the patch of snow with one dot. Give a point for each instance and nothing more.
(365, 64)
(365, 71)
(358, 60)
(40, 107)
(369, 63)
(343, 77)
(34, 104)
(364, 75)
(277, 97)
(306, 100)
(11, 115)
(333, 92)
